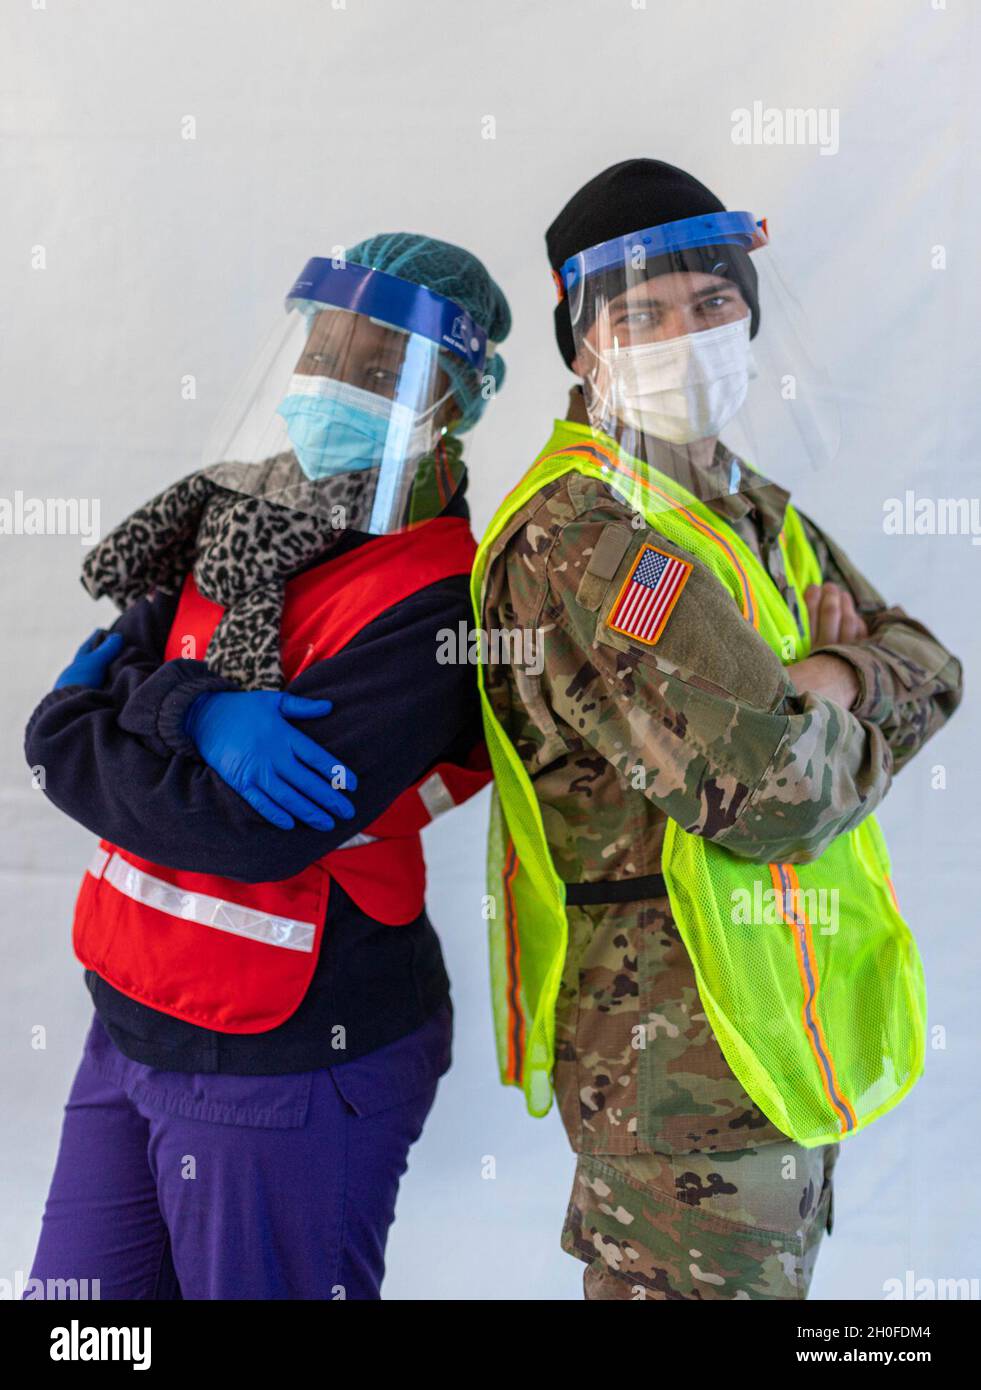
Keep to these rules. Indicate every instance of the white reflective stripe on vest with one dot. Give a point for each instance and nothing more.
(435, 795)
(201, 907)
(356, 841)
(100, 858)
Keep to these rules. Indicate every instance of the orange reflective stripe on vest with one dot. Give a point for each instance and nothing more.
(787, 887)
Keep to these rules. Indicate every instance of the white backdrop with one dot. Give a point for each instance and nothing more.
(133, 257)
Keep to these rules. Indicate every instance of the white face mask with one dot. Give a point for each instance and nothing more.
(684, 388)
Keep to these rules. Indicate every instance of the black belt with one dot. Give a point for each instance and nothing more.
(618, 890)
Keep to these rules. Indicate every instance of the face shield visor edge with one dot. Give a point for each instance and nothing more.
(348, 399)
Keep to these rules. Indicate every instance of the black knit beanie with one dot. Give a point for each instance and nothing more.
(626, 198)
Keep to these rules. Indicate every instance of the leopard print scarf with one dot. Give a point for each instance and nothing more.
(242, 547)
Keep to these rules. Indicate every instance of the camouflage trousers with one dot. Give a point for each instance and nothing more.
(742, 1224)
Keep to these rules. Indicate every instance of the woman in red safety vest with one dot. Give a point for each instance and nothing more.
(258, 743)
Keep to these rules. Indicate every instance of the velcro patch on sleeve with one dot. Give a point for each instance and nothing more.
(609, 550)
(649, 593)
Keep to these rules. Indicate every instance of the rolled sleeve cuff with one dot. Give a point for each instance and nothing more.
(875, 703)
(157, 709)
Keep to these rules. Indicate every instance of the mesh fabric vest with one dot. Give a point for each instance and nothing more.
(809, 976)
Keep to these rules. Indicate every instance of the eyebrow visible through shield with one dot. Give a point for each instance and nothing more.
(706, 292)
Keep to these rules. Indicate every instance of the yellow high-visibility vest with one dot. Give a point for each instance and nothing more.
(824, 1029)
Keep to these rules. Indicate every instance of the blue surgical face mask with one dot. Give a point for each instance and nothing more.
(338, 428)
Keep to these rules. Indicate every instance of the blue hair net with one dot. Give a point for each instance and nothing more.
(458, 275)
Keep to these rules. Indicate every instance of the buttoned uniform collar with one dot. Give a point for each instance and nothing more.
(711, 483)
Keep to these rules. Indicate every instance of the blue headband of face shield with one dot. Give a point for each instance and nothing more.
(401, 303)
(710, 229)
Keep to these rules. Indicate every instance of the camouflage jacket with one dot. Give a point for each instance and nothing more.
(704, 727)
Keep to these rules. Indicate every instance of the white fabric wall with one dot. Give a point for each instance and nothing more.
(317, 124)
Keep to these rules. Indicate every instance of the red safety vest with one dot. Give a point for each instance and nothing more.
(238, 957)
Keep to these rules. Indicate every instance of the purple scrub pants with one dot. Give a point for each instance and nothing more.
(174, 1185)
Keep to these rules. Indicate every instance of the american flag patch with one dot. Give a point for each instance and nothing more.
(651, 590)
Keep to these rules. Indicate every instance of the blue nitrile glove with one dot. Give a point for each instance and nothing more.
(92, 660)
(245, 735)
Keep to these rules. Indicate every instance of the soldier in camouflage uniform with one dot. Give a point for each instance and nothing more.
(683, 1188)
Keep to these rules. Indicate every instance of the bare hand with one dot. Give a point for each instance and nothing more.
(828, 675)
(834, 617)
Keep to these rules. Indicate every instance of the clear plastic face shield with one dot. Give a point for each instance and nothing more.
(342, 413)
(664, 325)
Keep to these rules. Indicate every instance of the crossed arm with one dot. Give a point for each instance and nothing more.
(119, 760)
(775, 770)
